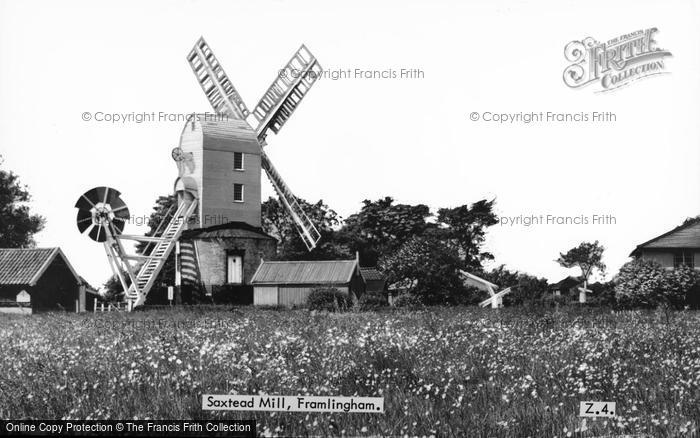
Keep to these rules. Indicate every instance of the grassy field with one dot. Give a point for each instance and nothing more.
(443, 372)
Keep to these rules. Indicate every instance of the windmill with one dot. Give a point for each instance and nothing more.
(219, 161)
(273, 110)
(495, 299)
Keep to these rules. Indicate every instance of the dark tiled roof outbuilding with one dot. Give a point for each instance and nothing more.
(371, 274)
(24, 266)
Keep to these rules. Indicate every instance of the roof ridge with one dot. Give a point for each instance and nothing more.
(307, 261)
(26, 265)
(305, 272)
(661, 236)
(30, 249)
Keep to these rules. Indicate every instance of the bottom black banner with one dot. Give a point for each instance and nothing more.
(229, 428)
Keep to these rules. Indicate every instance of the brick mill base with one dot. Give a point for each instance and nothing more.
(228, 256)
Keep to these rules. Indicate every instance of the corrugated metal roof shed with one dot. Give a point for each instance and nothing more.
(305, 272)
(24, 266)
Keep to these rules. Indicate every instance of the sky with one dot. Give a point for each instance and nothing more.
(365, 136)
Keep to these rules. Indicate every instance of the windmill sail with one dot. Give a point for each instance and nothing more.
(216, 85)
(286, 92)
(273, 110)
(495, 300)
(308, 232)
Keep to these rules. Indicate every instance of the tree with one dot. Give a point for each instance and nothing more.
(429, 268)
(163, 206)
(526, 288)
(691, 220)
(464, 228)
(645, 283)
(17, 224)
(501, 276)
(277, 223)
(587, 256)
(113, 288)
(603, 294)
(381, 227)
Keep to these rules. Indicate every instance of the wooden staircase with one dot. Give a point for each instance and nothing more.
(136, 295)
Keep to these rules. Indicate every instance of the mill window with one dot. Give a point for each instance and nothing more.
(238, 161)
(238, 193)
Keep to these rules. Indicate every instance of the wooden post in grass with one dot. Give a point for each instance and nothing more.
(178, 277)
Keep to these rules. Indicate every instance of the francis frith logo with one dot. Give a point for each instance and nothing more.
(616, 62)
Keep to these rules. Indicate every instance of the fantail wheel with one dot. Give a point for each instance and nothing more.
(101, 210)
